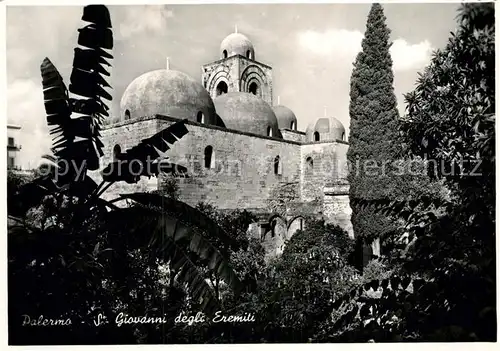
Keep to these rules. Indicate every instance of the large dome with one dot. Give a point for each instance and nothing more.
(167, 92)
(326, 129)
(286, 117)
(237, 44)
(248, 113)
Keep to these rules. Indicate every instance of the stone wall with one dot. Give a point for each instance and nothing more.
(337, 211)
(328, 165)
(293, 135)
(242, 172)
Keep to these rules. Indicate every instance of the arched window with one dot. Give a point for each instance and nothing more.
(224, 54)
(209, 157)
(292, 125)
(200, 117)
(316, 136)
(117, 150)
(269, 131)
(277, 166)
(221, 88)
(249, 54)
(309, 165)
(343, 136)
(253, 88)
(127, 114)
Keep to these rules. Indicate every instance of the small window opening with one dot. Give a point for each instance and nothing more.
(200, 117)
(117, 150)
(224, 54)
(269, 131)
(316, 136)
(209, 157)
(277, 166)
(343, 136)
(309, 164)
(292, 125)
(221, 88)
(249, 54)
(127, 114)
(254, 88)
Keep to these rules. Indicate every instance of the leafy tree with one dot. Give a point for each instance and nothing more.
(302, 283)
(74, 255)
(374, 140)
(444, 288)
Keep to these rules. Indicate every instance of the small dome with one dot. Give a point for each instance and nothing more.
(167, 92)
(248, 113)
(326, 129)
(286, 117)
(237, 44)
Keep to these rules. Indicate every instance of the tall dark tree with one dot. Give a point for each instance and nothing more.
(374, 143)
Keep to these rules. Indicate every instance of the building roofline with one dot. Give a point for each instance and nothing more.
(13, 126)
(208, 126)
(294, 131)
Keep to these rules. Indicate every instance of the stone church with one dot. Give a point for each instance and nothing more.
(242, 150)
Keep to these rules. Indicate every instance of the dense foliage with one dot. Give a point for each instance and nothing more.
(444, 286)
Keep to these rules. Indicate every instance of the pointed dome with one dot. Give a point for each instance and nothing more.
(167, 92)
(326, 129)
(247, 113)
(286, 117)
(237, 44)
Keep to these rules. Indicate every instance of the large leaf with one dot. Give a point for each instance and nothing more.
(184, 213)
(175, 241)
(142, 159)
(87, 81)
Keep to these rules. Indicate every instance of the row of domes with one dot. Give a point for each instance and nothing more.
(173, 93)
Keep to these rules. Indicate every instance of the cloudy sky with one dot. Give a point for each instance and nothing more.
(311, 48)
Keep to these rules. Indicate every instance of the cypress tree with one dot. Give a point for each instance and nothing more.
(374, 136)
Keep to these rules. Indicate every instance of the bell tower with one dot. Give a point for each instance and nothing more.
(237, 70)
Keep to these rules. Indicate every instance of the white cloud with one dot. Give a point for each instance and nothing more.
(139, 19)
(345, 44)
(338, 42)
(408, 56)
(25, 108)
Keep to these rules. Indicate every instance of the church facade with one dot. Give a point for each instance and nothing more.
(242, 150)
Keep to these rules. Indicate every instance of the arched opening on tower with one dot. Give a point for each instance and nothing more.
(316, 136)
(292, 125)
(117, 150)
(343, 136)
(277, 166)
(209, 157)
(127, 114)
(221, 88)
(249, 54)
(200, 117)
(254, 88)
(224, 54)
(269, 131)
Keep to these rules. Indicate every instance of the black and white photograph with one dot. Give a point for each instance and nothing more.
(250, 173)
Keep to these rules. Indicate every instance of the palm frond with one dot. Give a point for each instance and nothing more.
(183, 212)
(174, 241)
(87, 81)
(142, 159)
